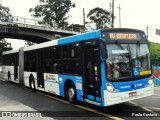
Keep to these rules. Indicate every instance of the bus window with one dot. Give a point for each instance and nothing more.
(57, 52)
(57, 67)
(48, 54)
(48, 66)
(30, 62)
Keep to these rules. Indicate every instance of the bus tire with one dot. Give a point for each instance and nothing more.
(32, 83)
(71, 93)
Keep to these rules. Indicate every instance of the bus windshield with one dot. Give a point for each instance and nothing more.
(127, 60)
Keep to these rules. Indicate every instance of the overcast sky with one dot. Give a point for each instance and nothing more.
(134, 13)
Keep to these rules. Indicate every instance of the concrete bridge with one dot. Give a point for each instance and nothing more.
(31, 30)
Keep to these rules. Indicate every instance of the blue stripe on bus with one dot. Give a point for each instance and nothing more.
(80, 37)
(98, 99)
(91, 97)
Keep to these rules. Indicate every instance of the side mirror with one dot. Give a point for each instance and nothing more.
(104, 51)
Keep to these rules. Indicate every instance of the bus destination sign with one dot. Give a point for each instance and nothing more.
(124, 36)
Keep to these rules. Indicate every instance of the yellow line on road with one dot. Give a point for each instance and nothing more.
(85, 108)
(100, 113)
(53, 97)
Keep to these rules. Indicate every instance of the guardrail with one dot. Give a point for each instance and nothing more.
(38, 24)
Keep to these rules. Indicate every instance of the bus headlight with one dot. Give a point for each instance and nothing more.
(110, 88)
(150, 82)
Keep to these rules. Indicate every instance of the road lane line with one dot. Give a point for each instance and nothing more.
(143, 107)
(157, 95)
(53, 97)
(82, 107)
(153, 108)
(100, 113)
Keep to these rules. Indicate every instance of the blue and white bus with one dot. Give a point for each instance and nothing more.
(102, 67)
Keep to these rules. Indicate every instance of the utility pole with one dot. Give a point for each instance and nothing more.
(147, 31)
(119, 8)
(112, 13)
(110, 7)
(84, 22)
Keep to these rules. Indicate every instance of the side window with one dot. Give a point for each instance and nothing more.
(47, 53)
(57, 52)
(71, 59)
(57, 59)
(30, 61)
(71, 51)
(8, 60)
(48, 60)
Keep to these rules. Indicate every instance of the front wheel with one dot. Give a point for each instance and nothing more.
(71, 93)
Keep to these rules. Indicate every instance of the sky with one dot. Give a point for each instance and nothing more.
(134, 14)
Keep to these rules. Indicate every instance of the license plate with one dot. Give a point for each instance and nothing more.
(132, 94)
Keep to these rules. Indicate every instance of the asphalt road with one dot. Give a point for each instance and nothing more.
(22, 102)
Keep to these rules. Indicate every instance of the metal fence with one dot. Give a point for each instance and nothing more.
(38, 24)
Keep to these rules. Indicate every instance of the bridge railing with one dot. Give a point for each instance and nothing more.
(38, 24)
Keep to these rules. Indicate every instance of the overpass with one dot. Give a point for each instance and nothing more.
(31, 30)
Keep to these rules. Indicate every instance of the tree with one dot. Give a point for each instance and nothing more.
(53, 12)
(4, 46)
(5, 16)
(100, 17)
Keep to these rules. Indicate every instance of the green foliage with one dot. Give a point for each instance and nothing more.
(5, 15)
(100, 17)
(53, 12)
(4, 46)
(155, 49)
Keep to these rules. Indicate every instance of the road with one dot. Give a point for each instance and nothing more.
(18, 98)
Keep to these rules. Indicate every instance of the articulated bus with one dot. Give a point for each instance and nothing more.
(102, 67)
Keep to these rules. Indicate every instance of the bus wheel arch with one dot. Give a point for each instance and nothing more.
(70, 91)
(32, 82)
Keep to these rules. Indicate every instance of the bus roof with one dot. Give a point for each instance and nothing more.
(70, 39)
(11, 51)
(74, 38)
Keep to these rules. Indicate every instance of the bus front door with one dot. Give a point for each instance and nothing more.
(91, 74)
(40, 76)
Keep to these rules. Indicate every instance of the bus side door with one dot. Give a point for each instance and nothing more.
(91, 72)
(40, 76)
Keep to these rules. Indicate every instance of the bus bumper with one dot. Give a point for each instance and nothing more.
(120, 97)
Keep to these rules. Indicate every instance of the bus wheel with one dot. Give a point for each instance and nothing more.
(71, 93)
